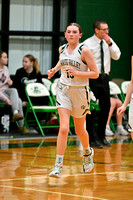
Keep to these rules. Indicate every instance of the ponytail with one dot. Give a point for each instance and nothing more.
(36, 66)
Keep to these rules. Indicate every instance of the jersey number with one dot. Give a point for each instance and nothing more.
(69, 76)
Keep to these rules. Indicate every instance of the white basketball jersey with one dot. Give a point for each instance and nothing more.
(73, 60)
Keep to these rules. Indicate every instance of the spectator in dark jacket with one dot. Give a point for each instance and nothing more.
(30, 72)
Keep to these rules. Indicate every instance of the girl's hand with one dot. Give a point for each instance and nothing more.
(8, 102)
(70, 71)
(10, 82)
(121, 110)
(24, 103)
(51, 73)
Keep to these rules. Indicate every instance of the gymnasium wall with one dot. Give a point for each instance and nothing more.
(119, 16)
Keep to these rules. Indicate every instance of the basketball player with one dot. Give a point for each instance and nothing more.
(77, 65)
(129, 98)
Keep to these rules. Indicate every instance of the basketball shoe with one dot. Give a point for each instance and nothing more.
(56, 172)
(88, 161)
(108, 131)
(121, 131)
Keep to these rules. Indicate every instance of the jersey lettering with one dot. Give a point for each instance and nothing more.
(70, 62)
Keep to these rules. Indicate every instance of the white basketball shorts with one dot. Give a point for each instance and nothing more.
(76, 99)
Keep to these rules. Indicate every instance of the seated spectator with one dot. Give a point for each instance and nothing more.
(115, 104)
(30, 72)
(10, 95)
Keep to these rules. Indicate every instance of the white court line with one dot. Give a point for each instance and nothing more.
(64, 176)
(59, 193)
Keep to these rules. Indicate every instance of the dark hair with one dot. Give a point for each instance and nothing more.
(35, 62)
(97, 23)
(1, 52)
(75, 24)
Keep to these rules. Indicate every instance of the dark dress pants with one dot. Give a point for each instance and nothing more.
(100, 88)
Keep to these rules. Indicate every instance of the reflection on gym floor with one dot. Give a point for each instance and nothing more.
(26, 163)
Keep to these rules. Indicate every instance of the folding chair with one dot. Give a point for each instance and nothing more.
(93, 102)
(114, 88)
(7, 108)
(53, 92)
(56, 80)
(38, 90)
(123, 87)
(94, 106)
(46, 82)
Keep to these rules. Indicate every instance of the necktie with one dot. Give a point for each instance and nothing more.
(102, 57)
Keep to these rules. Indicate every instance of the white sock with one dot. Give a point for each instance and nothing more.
(15, 112)
(59, 160)
(119, 126)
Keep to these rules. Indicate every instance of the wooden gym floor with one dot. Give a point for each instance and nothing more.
(26, 163)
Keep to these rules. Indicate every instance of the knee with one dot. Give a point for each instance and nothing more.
(119, 104)
(64, 130)
(113, 103)
(20, 101)
(15, 92)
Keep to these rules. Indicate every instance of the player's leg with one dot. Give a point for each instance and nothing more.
(120, 129)
(64, 115)
(108, 131)
(112, 108)
(88, 152)
(118, 117)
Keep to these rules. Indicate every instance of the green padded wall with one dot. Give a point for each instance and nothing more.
(118, 14)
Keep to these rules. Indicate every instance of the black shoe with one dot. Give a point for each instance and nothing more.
(104, 142)
(96, 144)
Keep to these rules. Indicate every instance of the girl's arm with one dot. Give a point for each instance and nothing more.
(130, 86)
(87, 57)
(52, 71)
(128, 94)
(55, 69)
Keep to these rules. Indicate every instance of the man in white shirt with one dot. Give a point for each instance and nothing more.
(102, 52)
